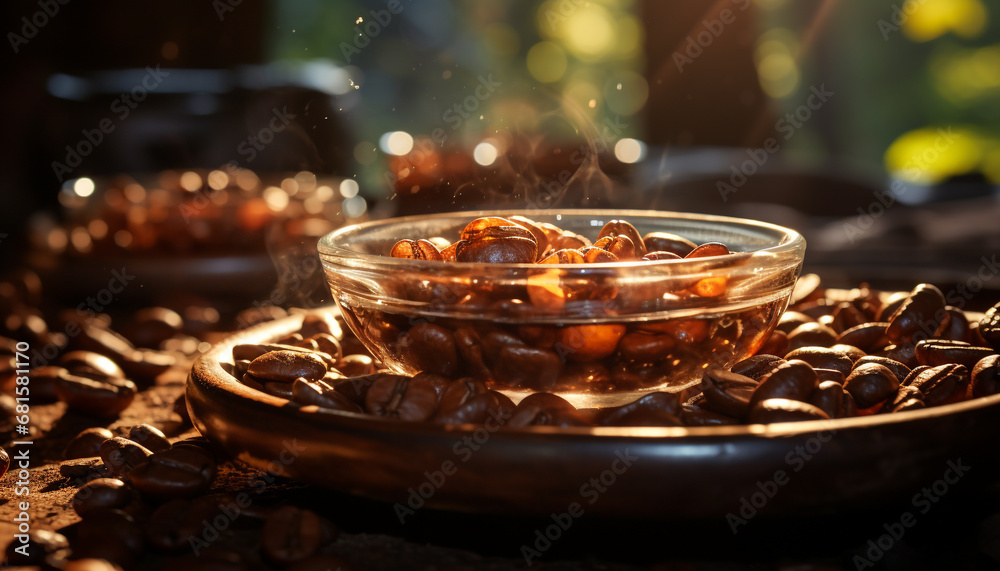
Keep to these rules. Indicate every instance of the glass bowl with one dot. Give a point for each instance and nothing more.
(597, 334)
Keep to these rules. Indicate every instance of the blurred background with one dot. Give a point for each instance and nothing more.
(192, 138)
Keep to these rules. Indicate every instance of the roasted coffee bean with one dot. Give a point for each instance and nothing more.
(121, 455)
(101, 494)
(498, 250)
(900, 370)
(789, 380)
(955, 326)
(867, 336)
(823, 375)
(989, 327)
(395, 396)
(943, 384)
(250, 352)
(597, 256)
(693, 415)
(279, 389)
(828, 396)
(906, 398)
(40, 545)
(822, 358)
(536, 232)
(624, 229)
(654, 409)
(470, 348)
(240, 368)
(891, 304)
(87, 443)
(667, 242)
(322, 395)
(850, 405)
(108, 534)
(416, 250)
(790, 320)
(871, 384)
(150, 437)
(726, 392)
(563, 257)
(145, 365)
(99, 339)
(292, 534)
(430, 348)
(459, 392)
(645, 347)
(757, 366)
(328, 344)
(356, 365)
(811, 335)
(491, 409)
(544, 409)
(775, 344)
(913, 374)
(852, 352)
(588, 343)
(105, 399)
(986, 377)
(935, 352)
(922, 312)
(91, 365)
(621, 246)
(519, 366)
(905, 354)
(845, 316)
(286, 366)
(708, 250)
(152, 326)
(183, 471)
(784, 410)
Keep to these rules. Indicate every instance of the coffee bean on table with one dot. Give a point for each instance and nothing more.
(149, 436)
(179, 472)
(101, 494)
(121, 455)
(87, 443)
(867, 336)
(42, 543)
(91, 365)
(292, 534)
(105, 399)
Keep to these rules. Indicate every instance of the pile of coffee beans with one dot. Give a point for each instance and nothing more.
(834, 354)
(142, 496)
(520, 240)
(535, 346)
